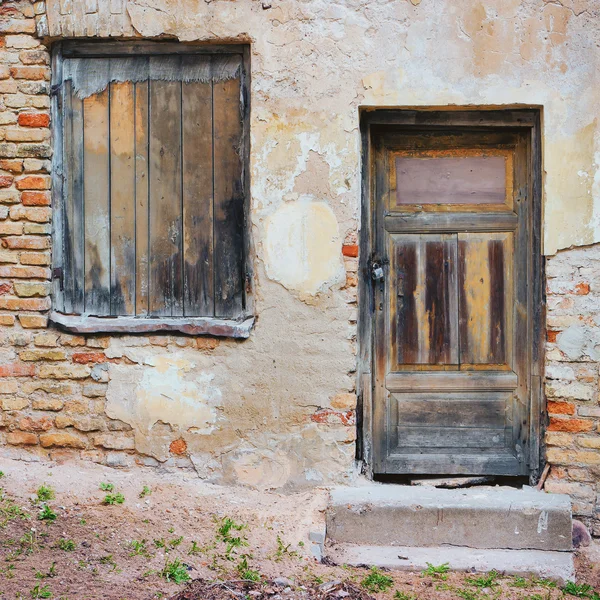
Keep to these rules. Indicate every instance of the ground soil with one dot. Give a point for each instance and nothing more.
(133, 550)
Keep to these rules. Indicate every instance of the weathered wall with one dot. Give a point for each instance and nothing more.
(279, 408)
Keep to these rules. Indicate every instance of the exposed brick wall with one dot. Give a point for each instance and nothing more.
(572, 362)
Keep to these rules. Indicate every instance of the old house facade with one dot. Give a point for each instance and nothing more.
(212, 214)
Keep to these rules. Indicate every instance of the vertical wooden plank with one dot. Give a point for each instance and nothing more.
(441, 301)
(425, 299)
(96, 179)
(141, 197)
(228, 199)
(122, 199)
(165, 277)
(73, 268)
(485, 271)
(197, 124)
(405, 333)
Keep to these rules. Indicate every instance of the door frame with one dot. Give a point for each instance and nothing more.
(528, 118)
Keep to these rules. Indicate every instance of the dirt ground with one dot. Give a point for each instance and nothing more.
(168, 535)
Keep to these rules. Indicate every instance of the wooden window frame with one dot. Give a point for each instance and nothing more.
(422, 118)
(239, 327)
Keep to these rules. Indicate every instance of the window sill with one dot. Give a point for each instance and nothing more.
(188, 325)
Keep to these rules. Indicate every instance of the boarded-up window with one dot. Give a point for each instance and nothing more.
(154, 186)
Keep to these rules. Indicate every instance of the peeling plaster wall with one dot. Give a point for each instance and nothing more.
(278, 409)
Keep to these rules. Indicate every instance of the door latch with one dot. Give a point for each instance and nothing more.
(376, 271)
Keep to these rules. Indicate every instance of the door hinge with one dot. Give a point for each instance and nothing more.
(57, 273)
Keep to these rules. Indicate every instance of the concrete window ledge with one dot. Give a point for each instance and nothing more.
(189, 325)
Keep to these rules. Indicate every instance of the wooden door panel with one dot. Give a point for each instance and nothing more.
(423, 298)
(485, 299)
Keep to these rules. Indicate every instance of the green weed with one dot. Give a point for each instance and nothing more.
(175, 571)
(66, 545)
(111, 499)
(245, 572)
(107, 487)
(29, 542)
(283, 550)
(41, 592)
(376, 581)
(582, 590)
(110, 561)
(404, 596)
(521, 582)
(195, 549)
(146, 491)
(9, 510)
(225, 529)
(138, 548)
(485, 581)
(45, 493)
(47, 514)
(438, 571)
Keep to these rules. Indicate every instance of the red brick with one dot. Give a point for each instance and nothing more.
(35, 214)
(5, 288)
(30, 424)
(14, 303)
(16, 369)
(561, 408)
(551, 335)
(332, 417)
(35, 198)
(24, 272)
(33, 182)
(6, 181)
(32, 73)
(350, 250)
(178, 446)
(17, 438)
(34, 120)
(26, 243)
(571, 425)
(84, 358)
(14, 165)
(582, 289)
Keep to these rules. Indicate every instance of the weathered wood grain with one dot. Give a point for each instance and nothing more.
(228, 199)
(198, 272)
(166, 257)
(122, 199)
(97, 203)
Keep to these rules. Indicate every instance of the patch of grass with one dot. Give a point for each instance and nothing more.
(376, 581)
(174, 543)
(146, 491)
(138, 548)
(485, 581)
(579, 590)
(40, 592)
(175, 571)
(29, 542)
(404, 596)
(283, 550)
(9, 510)
(466, 594)
(107, 487)
(437, 571)
(245, 572)
(45, 493)
(110, 561)
(1, 474)
(111, 499)
(51, 572)
(47, 514)
(66, 545)
(521, 582)
(195, 549)
(225, 529)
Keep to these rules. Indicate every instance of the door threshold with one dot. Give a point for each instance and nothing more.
(453, 481)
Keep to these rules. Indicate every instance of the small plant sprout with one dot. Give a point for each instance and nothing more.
(581, 590)
(1, 474)
(376, 581)
(47, 514)
(438, 571)
(66, 545)
(485, 581)
(111, 499)
(404, 596)
(45, 493)
(107, 487)
(109, 560)
(146, 491)
(194, 549)
(40, 592)
(175, 571)
(245, 572)
(224, 534)
(138, 548)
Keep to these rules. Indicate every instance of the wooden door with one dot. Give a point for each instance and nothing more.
(451, 275)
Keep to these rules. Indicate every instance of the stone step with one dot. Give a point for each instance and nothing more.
(483, 517)
(557, 566)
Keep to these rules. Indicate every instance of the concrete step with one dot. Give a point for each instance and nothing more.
(557, 566)
(482, 517)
